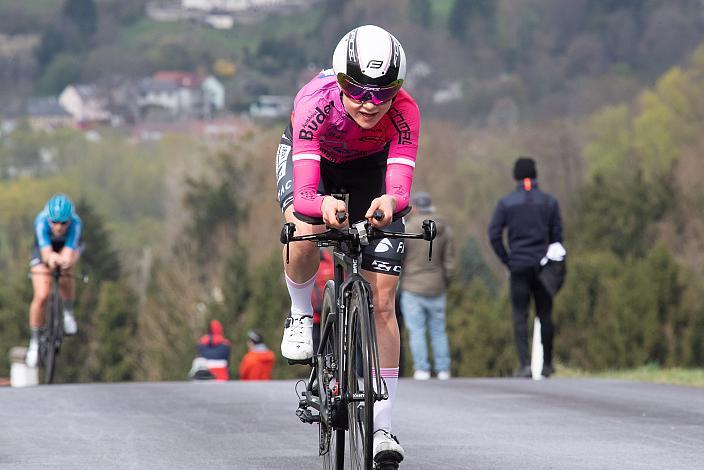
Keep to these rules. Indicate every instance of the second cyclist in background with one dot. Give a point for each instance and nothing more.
(354, 129)
(57, 244)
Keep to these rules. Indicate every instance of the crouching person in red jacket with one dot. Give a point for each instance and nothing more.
(258, 363)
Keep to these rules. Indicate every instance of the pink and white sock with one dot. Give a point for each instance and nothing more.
(301, 304)
(383, 409)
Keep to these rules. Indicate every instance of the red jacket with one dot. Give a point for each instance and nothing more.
(257, 364)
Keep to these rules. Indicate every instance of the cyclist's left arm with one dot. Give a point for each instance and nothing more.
(71, 250)
(405, 119)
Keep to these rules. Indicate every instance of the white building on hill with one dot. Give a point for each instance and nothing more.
(235, 6)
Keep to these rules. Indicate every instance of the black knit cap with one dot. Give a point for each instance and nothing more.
(524, 168)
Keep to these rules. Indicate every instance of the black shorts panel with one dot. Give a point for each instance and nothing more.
(284, 169)
(386, 255)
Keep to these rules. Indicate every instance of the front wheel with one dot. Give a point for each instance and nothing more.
(359, 379)
(331, 431)
(54, 334)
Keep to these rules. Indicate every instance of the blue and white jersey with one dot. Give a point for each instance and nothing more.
(45, 238)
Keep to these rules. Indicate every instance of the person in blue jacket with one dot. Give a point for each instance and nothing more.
(57, 244)
(532, 220)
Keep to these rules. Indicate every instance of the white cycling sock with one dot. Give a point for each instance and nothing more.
(301, 294)
(382, 409)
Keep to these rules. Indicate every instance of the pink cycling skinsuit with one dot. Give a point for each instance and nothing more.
(321, 128)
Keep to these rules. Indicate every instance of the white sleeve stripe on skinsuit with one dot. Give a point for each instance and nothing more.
(402, 161)
(306, 156)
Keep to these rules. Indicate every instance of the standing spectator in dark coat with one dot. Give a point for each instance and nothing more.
(532, 218)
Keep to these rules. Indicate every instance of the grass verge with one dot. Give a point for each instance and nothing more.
(649, 373)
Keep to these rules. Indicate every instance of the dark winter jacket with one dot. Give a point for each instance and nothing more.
(533, 221)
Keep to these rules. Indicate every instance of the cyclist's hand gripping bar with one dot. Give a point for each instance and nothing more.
(341, 216)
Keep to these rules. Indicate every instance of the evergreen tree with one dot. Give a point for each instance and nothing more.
(51, 44)
(216, 207)
(71, 33)
(113, 342)
(83, 14)
(467, 13)
(479, 331)
(421, 12)
(471, 265)
(99, 259)
(457, 21)
(236, 285)
(634, 207)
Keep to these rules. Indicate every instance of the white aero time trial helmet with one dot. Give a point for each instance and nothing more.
(369, 64)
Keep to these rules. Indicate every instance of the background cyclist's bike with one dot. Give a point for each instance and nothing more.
(345, 382)
(52, 334)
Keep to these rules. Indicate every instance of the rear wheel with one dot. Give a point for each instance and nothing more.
(332, 426)
(359, 380)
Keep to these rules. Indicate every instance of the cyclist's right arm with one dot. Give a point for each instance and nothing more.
(306, 166)
(306, 200)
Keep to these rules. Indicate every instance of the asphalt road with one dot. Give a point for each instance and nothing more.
(460, 424)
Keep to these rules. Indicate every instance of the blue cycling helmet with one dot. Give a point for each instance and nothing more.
(60, 208)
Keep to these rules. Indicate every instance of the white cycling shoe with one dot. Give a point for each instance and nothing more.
(70, 326)
(297, 343)
(386, 447)
(32, 356)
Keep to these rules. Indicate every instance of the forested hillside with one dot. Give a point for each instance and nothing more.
(607, 95)
(488, 62)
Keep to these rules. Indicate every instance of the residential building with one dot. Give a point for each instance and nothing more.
(86, 103)
(47, 114)
(171, 95)
(271, 107)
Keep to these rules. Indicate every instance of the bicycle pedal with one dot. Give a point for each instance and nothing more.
(306, 416)
(305, 362)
